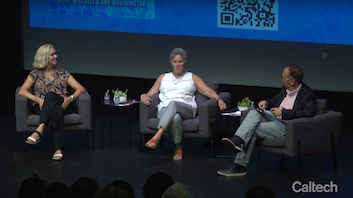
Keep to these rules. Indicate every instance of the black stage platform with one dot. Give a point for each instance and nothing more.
(197, 170)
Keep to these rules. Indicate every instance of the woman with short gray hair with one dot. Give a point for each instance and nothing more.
(177, 99)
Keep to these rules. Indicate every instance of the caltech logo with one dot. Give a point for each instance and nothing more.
(311, 187)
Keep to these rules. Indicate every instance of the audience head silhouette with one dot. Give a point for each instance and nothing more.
(120, 184)
(111, 191)
(156, 185)
(83, 188)
(32, 187)
(177, 190)
(57, 190)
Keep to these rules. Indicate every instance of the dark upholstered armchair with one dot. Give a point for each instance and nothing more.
(80, 120)
(201, 126)
(305, 136)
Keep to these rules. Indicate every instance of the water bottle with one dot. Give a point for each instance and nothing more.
(106, 98)
(252, 105)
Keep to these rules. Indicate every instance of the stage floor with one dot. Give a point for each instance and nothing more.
(197, 170)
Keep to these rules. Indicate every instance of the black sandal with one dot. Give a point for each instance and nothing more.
(34, 141)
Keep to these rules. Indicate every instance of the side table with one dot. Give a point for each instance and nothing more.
(113, 107)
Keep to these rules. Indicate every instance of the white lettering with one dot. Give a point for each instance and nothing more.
(305, 188)
(105, 2)
(64, 1)
(83, 1)
(327, 188)
(333, 186)
(129, 3)
(293, 186)
(311, 187)
(318, 188)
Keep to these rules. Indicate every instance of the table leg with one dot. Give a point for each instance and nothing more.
(110, 128)
(102, 119)
(130, 126)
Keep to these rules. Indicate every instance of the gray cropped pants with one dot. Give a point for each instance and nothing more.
(256, 125)
(171, 117)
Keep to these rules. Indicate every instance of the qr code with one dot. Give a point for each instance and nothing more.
(248, 14)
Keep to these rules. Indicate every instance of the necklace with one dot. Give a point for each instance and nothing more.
(177, 80)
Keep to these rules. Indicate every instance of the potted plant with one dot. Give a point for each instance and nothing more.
(119, 96)
(244, 104)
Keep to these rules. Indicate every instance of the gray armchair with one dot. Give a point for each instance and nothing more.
(201, 126)
(80, 120)
(305, 136)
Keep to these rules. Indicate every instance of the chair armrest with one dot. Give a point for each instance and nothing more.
(21, 111)
(313, 133)
(208, 111)
(147, 112)
(84, 108)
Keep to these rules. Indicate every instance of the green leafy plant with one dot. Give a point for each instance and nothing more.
(244, 102)
(119, 92)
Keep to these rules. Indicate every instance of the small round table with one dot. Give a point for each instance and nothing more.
(113, 107)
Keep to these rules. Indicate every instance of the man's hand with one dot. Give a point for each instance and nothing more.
(263, 104)
(276, 111)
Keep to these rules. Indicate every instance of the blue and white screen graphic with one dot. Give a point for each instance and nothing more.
(248, 14)
(313, 21)
(143, 9)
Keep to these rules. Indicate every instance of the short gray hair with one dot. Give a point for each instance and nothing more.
(178, 51)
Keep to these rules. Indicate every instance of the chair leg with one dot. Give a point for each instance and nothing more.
(92, 134)
(141, 141)
(213, 140)
(333, 152)
(298, 159)
(92, 131)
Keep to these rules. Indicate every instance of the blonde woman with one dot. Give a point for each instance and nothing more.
(50, 98)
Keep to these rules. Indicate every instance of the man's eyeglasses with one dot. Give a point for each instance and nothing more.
(285, 78)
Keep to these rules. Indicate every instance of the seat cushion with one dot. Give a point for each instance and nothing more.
(69, 119)
(273, 142)
(33, 120)
(72, 119)
(153, 123)
(190, 125)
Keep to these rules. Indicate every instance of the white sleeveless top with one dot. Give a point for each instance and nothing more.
(180, 89)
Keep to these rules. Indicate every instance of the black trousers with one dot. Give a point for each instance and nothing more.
(52, 116)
